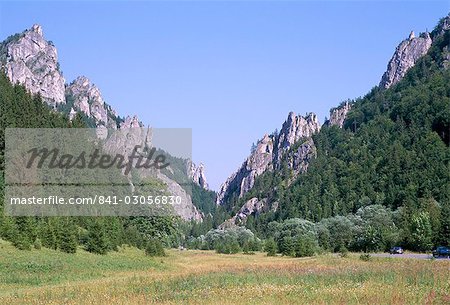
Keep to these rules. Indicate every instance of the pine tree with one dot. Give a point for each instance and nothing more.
(68, 239)
(49, 234)
(97, 241)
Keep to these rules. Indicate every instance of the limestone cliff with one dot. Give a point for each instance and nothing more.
(405, 57)
(268, 153)
(198, 175)
(339, 114)
(84, 96)
(32, 61)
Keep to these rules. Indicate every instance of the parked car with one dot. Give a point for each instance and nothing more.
(396, 250)
(441, 252)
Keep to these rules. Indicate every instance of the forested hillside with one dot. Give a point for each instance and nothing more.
(95, 234)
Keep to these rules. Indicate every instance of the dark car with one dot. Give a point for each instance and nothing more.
(396, 250)
(441, 252)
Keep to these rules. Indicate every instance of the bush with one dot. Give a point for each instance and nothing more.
(305, 246)
(343, 252)
(37, 244)
(287, 246)
(230, 246)
(270, 247)
(68, 241)
(365, 257)
(154, 248)
(22, 242)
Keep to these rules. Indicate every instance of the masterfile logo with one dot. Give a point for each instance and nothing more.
(92, 172)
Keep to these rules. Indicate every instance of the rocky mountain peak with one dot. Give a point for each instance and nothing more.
(131, 122)
(31, 60)
(405, 56)
(267, 153)
(339, 114)
(293, 129)
(198, 175)
(87, 98)
(444, 25)
(37, 29)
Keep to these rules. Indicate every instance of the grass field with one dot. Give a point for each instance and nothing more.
(204, 277)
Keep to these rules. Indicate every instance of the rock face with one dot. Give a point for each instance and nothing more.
(198, 175)
(86, 97)
(339, 114)
(33, 62)
(131, 122)
(443, 26)
(299, 159)
(187, 210)
(268, 153)
(244, 178)
(405, 57)
(253, 206)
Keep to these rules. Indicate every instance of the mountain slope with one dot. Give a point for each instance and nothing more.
(388, 148)
(31, 60)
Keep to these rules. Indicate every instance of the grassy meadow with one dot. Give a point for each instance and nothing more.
(204, 277)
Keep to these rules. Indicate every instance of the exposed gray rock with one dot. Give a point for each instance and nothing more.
(256, 164)
(254, 206)
(87, 98)
(268, 153)
(124, 140)
(197, 174)
(32, 61)
(131, 122)
(339, 114)
(187, 209)
(444, 25)
(295, 128)
(405, 57)
(299, 159)
(244, 178)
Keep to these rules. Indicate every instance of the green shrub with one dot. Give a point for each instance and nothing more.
(228, 247)
(154, 247)
(343, 252)
(21, 242)
(305, 246)
(365, 257)
(270, 247)
(37, 244)
(96, 240)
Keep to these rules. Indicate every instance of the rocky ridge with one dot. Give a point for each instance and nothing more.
(84, 96)
(405, 57)
(197, 173)
(339, 114)
(268, 153)
(30, 60)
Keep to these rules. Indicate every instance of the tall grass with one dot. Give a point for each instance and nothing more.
(204, 277)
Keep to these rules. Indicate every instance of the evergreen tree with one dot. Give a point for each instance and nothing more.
(270, 247)
(68, 239)
(97, 241)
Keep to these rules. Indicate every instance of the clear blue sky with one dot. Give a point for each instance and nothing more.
(229, 70)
